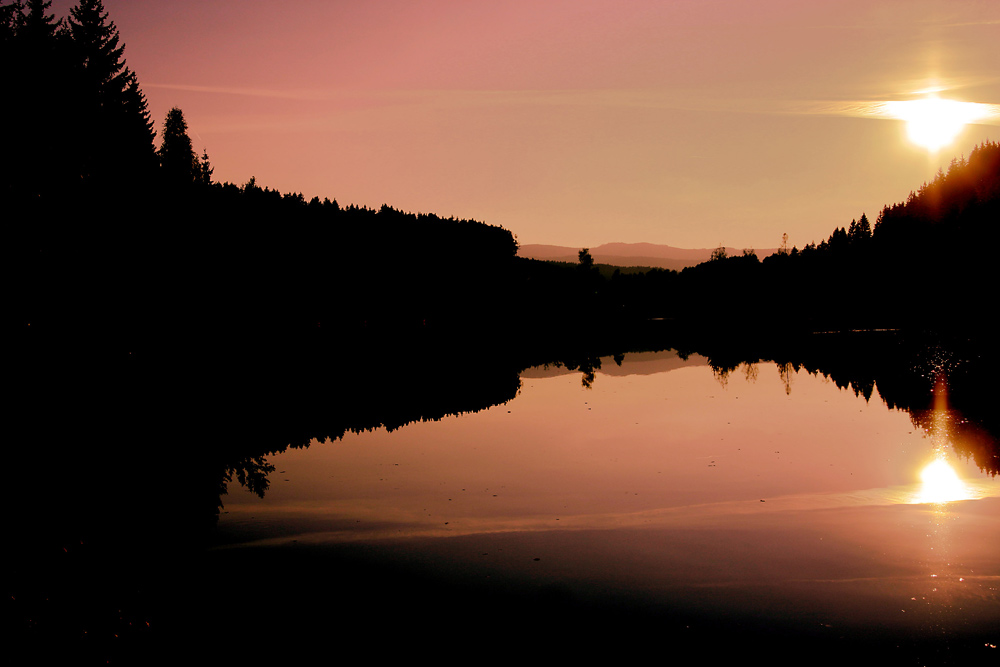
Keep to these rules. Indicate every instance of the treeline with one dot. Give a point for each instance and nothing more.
(121, 247)
(126, 256)
(76, 122)
(129, 244)
(152, 309)
(923, 264)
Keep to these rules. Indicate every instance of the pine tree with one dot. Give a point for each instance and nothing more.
(97, 42)
(35, 73)
(864, 228)
(178, 161)
(37, 25)
(115, 136)
(11, 18)
(205, 169)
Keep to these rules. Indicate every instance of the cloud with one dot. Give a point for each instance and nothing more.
(972, 112)
(248, 92)
(367, 100)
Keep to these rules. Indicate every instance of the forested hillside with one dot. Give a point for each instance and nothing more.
(127, 248)
(925, 263)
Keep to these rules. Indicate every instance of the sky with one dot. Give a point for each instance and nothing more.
(691, 123)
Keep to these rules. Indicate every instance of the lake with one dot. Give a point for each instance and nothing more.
(653, 503)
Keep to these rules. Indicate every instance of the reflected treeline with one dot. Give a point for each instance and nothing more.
(381, 389)
(116, 474)
(386, 389)
(587, 366)
(908, 371)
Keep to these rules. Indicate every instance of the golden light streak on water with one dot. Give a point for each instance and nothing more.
(940, 483)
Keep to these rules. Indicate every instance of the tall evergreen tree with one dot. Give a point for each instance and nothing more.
(11, 17)
(178, 161)
(205, 169)
(864, 228)
(97, 43)
(116, 137)
(43, 74)
(37, 25)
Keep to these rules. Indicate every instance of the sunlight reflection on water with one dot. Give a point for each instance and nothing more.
(941, 484)
(741, 494)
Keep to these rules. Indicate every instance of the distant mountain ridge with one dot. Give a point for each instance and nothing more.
(630, 254)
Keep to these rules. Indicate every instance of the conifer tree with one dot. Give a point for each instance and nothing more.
(37, 25)
(11, 18)
(97, 43)
(864, 228)
(205, 169)
(115, 140)
(34, 76)
(178, 161)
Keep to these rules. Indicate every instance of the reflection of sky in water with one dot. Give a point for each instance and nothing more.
(683, 481)
(631, 445)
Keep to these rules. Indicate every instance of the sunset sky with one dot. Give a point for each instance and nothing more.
(572, 122)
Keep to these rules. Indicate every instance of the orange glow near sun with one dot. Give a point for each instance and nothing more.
(935, 123)
(941, 484)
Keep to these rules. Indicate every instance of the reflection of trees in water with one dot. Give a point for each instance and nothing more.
(721, 374)
(588, 367)
(251, 472)
(785, 372)
(946, 423)
(375, 395)
(904, 369)
(722, 371)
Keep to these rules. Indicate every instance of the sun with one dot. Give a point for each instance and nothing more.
(935, 123)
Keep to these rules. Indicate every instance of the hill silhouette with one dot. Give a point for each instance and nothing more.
(630, 254)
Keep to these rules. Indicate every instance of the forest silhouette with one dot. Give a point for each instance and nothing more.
(134, 268)
(140, 281)
(153, 309)
(132, 249)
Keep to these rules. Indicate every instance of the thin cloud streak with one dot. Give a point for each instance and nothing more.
(600, 98)
(302, 95)
(989, 114)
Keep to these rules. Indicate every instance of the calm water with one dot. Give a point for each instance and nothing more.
(767, 496)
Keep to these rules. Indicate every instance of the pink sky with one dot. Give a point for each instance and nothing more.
(571, 122)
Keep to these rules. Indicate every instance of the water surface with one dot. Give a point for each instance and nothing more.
(764, 496)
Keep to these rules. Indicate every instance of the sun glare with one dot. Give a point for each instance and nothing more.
(933, 122)
(941, 484)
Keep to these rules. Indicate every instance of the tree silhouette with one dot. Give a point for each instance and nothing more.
(178, 161)
(36, 81)
(115, 133)
(37, 25)
(205, 169)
